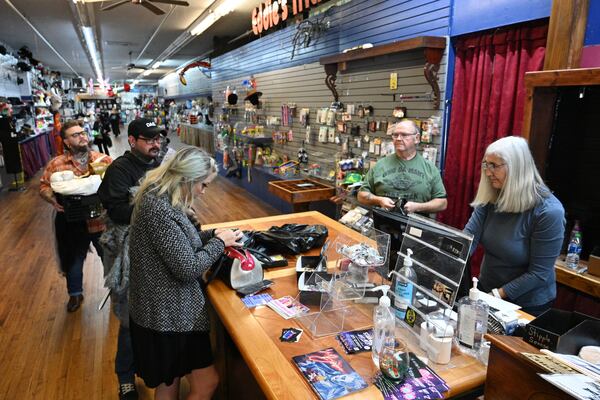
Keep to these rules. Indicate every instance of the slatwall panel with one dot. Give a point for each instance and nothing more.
(365, 82)
(301, 80)
(351, 24)
(384, 21)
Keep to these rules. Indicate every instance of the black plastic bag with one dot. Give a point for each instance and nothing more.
(289, 238)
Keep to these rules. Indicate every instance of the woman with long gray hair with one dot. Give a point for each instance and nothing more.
(520, 224)
(168, 256)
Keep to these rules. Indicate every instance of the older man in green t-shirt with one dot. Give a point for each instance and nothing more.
(404, 175)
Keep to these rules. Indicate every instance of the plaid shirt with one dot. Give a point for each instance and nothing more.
(66, 162)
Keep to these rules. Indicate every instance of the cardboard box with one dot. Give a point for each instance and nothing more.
(562, 331)
(594, 265)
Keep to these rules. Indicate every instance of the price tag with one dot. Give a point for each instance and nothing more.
(393, 81)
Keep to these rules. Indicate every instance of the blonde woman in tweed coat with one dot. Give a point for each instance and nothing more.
(168, 255)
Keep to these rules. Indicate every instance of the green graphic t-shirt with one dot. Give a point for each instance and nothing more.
(415, 180)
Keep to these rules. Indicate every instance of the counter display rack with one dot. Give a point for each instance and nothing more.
(439, 256)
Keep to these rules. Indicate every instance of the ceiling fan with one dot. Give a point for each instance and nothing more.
(144, 3)
(131, 65)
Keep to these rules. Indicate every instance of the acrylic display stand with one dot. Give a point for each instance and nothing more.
(358, 262)
(439, 257)
(337, 311)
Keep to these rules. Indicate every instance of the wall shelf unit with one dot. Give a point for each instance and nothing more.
(433, 49)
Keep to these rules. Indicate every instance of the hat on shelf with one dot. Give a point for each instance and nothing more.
(232, 99)
(252, 96)
(143, 127)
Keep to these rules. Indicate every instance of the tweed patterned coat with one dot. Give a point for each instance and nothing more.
(167, 258)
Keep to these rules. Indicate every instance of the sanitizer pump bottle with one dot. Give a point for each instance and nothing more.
(405, 290)
(384, 324)
(472, 319)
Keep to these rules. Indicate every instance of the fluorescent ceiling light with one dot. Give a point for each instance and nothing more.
(147, 72)
(227, 6)
(205, 24)
(90, 41)
(221, 10)
(156, 64)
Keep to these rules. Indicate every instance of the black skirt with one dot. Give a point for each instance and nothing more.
(160, 357)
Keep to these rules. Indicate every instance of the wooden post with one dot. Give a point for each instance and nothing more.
(566, 32)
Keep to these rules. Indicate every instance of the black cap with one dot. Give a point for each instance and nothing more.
(143, 127)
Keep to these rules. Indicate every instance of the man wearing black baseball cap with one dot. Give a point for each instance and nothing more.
(116, 190)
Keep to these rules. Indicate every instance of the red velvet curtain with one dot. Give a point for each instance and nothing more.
(487, 104)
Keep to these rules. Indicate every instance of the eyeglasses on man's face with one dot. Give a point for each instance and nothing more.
(154, 140)
(77, 135)
(490, 166)
(402, 135)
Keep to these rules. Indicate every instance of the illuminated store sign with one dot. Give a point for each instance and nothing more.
(270, 13)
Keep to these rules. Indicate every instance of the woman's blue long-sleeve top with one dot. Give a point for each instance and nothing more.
(520, 250)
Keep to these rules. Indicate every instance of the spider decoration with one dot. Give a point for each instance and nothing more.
(308, 31)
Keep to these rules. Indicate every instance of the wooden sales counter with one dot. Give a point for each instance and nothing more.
(585, 283)
(576, 292)
(252, 335)
(511, 376)
(200, 135)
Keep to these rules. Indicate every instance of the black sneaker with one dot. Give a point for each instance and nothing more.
(127, 391)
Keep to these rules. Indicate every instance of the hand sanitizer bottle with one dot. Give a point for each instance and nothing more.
(384, 324)
(404, 289)
(472, 319)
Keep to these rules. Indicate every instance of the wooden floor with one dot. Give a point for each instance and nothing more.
(45, 352)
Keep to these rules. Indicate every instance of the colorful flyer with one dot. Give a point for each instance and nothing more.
(288, 307)
(329, 374)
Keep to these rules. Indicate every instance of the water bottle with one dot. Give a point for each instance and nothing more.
(574, 248)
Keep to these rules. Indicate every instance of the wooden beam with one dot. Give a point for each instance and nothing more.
(566, 32)
(538, 130)
(565, 77)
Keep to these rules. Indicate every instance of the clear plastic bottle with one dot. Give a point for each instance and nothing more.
(472, 319)
(384, 325)
(404, 289)
(574, 248)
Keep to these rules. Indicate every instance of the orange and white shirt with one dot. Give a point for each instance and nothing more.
(66, 162)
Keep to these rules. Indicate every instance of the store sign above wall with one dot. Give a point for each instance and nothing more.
(270, 13)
